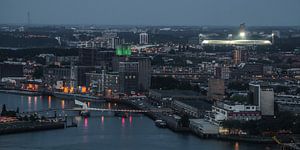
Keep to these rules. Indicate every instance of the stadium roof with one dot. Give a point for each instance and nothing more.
(236, 42)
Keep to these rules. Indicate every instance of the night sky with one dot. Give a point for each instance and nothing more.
(152, 12)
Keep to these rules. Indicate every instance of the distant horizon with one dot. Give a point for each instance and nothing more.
(142, 25)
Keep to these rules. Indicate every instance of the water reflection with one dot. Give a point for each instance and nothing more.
(102, 120)
(89, 130)
(78, 119)
(35, 103)
(86, 123)
(123, 121)
(236, 146)
(29, 103)
(62, 104)
(49, 101)
(130, 120)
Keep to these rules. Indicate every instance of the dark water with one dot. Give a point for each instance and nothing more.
(105, 132)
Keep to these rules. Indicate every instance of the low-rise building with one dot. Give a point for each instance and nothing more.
(203, 127)
(233, 111)
(288, 103)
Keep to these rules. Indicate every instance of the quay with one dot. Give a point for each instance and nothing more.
(20, 92)
(78, 96)
(28, 126)
(199, 127)
(142, 104)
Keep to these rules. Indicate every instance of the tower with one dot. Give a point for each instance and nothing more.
(28, 18)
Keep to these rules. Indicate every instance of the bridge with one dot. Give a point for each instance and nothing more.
(86, 108)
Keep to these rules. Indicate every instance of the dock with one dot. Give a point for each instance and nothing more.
(28, 126)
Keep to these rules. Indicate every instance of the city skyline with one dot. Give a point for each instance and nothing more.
(133, 12)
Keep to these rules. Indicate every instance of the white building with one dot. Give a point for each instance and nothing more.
(144, 38)
(229, 111)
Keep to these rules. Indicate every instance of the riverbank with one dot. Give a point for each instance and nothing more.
(78, 97)
(28, 126)
(20, 92)
(247, 138)
(173, 124)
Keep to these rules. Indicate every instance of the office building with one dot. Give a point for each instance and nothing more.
(239, 56)
(143, 71)
(263, 98)
(128, 73)
(12, 69)
(222, 72)
(95, 57)
(216, 89)
(105, 83)
(227, 110)
(116, 42)
(144, 74)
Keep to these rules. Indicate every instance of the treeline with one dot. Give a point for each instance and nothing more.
(284, 121)
(169, 83)
(31, 52)
(7, 40)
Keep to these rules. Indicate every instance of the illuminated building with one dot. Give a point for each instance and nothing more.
(128, 73)
(236, 42)
(101, 82)
(123, 50)
(239, 56)
(241, 41)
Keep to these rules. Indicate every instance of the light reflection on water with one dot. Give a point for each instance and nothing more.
(236, 146)
(35, 103)
(130, 119)
(49, 101)
(102, 120)
(86, 122)
(63, 104)
(29, 103)
(123, 121)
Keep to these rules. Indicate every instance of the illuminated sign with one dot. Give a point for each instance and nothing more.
(123, 51)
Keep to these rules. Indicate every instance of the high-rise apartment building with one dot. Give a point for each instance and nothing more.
(144, 38)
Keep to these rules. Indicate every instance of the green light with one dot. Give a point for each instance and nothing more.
(119, 52)
(123, 51)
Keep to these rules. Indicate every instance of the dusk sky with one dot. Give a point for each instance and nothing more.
(152, 12)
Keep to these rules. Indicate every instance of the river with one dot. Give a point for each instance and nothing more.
(104, 132)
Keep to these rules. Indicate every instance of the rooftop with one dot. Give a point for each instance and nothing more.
(236, 42)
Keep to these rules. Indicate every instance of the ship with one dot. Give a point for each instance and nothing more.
(160, 123)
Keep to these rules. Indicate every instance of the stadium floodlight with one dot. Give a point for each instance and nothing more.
(242, 34)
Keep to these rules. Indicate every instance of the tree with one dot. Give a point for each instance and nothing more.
(184, 121)
(3, 110)
(17, 111)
